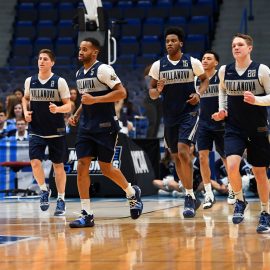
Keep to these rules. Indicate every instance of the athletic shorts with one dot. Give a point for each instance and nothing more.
(183, 132)
(57, 148)
(257, 145)
(206, 137)
(96, 145)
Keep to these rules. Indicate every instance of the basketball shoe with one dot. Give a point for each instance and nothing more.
(60, 207)
(264, 223)
(238, 215)
(190, 206)
(135, 203)
(85, 220)
(45, 199)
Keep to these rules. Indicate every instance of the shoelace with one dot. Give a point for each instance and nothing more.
(60, 204)
(44, 196)
(208, 199)
(231, 194)
(132, 201)
(239, 207)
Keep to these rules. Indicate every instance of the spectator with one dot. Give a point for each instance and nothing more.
(18, 92)
(21, 134)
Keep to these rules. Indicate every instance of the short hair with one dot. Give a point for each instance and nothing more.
(212, 52)
(247, 38)
(173, 30)
(94, 42)
(48, 52)
(18, 90)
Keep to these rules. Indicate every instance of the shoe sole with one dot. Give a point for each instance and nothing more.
(59, 214)
(209, 206)
(262, 232)
(80, 226)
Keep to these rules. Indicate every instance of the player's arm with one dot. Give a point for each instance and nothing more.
(264, 78)
(156, 84)
(222, 98)
(74, 119)
(65, 97)
(107, 76)
(204, 81)
(26, 101)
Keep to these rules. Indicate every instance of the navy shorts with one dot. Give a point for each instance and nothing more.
(57, 148)
(183, 132)
(206, 137)
(257, 145)
(96, 145)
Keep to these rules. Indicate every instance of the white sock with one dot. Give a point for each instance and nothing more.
(85, 204)
(208, 188)
(239, 195)
(43, 187)
(265, 207)
(61, 196)
(191, 193)
(130, 191)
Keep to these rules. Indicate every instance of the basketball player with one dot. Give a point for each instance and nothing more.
(99, 87)
(210, 131)
(173, 78)
(46, 99)
(246, 124)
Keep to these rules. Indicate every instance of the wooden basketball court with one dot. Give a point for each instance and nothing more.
(161, 239)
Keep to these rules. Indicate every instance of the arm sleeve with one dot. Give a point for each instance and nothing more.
(222, 100)
(63, 88)
(197, 66)
(107, 75)
(27, 87)
(154, 70)
(264, 78)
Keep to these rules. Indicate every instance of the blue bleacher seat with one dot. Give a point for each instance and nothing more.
(46, 11)
(22, 47)
(124, 4)
(46, 29)
(24, 29)
(158, 12)
(164, 3)
(144, 3)
(199, 25)
(132, 27)
(65, 46)
(177, 21)
(129, 45)
(43, 43)
(135, 12)
(203, 8)
(65, 28)
(151, 45)
(195, 43)
(27, 12)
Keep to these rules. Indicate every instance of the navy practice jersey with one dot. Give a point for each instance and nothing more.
(209, 103)
(179, 84)
(247, 117)
(99, 117)
(45, 123)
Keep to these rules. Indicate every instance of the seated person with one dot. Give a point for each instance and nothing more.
(169, 185)
(5, 127)
(21, 134)
(121, 113)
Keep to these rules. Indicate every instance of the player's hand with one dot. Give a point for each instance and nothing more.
(52, 108)
(219, 116)
(160, 85)
(28, 116)
(249, 97)
(88, 99)
(194, 99)
(73, 120)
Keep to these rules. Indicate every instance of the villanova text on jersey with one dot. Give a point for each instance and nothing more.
(45, 123)
(179, 84)
(98, 117)
(250, 118)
